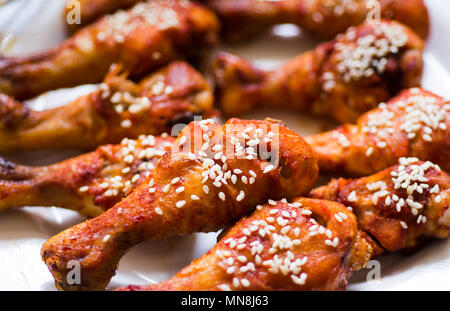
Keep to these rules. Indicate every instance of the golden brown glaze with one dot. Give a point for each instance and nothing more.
(397, 206)
(416, 123)
(325, 18)
(144, 38)
(203, 185)
(281, 246)
(340, 79)
(90, 183)
(91, 10)
(118, 109)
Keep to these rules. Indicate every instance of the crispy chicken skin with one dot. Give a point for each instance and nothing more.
(90, 183)
(203, 185)
(91, 10)
(118, 109)
(325, 18)
(144, 38)
(281, 246)
(340, 79)
(397, 206)
(416, 123)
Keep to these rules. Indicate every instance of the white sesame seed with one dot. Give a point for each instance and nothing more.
(84, 189)
(338, 218)
(285, 214)
(268, 168)
(179, 189)
(104, 185)
(241, 196)
(126, 124)
(231, 270)
(129, 158)
(298, 280)
(285, 229)
(435, 189)
(352, 197)
(343, 215)
(180, 203)
(245, 282)
(438, 199)
(224, 287)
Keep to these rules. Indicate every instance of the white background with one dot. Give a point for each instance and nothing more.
(37, 25)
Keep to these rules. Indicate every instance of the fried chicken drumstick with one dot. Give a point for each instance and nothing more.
(118, 109)
(88, 184)
(416, 123)
(214, 176)
(340, 79)
(397, 206)
(144, 38)
(325, 18)
(282, 246)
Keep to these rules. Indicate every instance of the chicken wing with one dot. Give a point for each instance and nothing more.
(213, 176)
(325, 18)
(88, 184)
(144, 38)
(416, 123)
(305, 245)
(118, 109)
(91, 10)
(397, 206)
(340, 79)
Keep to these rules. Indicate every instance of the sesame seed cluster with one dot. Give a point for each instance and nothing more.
(124, 102)
(364, 56)
(344, 6)
(135, 160)
(341, 139)
(269, 245)
(410, 185)
(213, 157)
(124, 23)
(419, 115)
(411, 177)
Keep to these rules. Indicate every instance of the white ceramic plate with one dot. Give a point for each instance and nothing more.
(35, 25)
